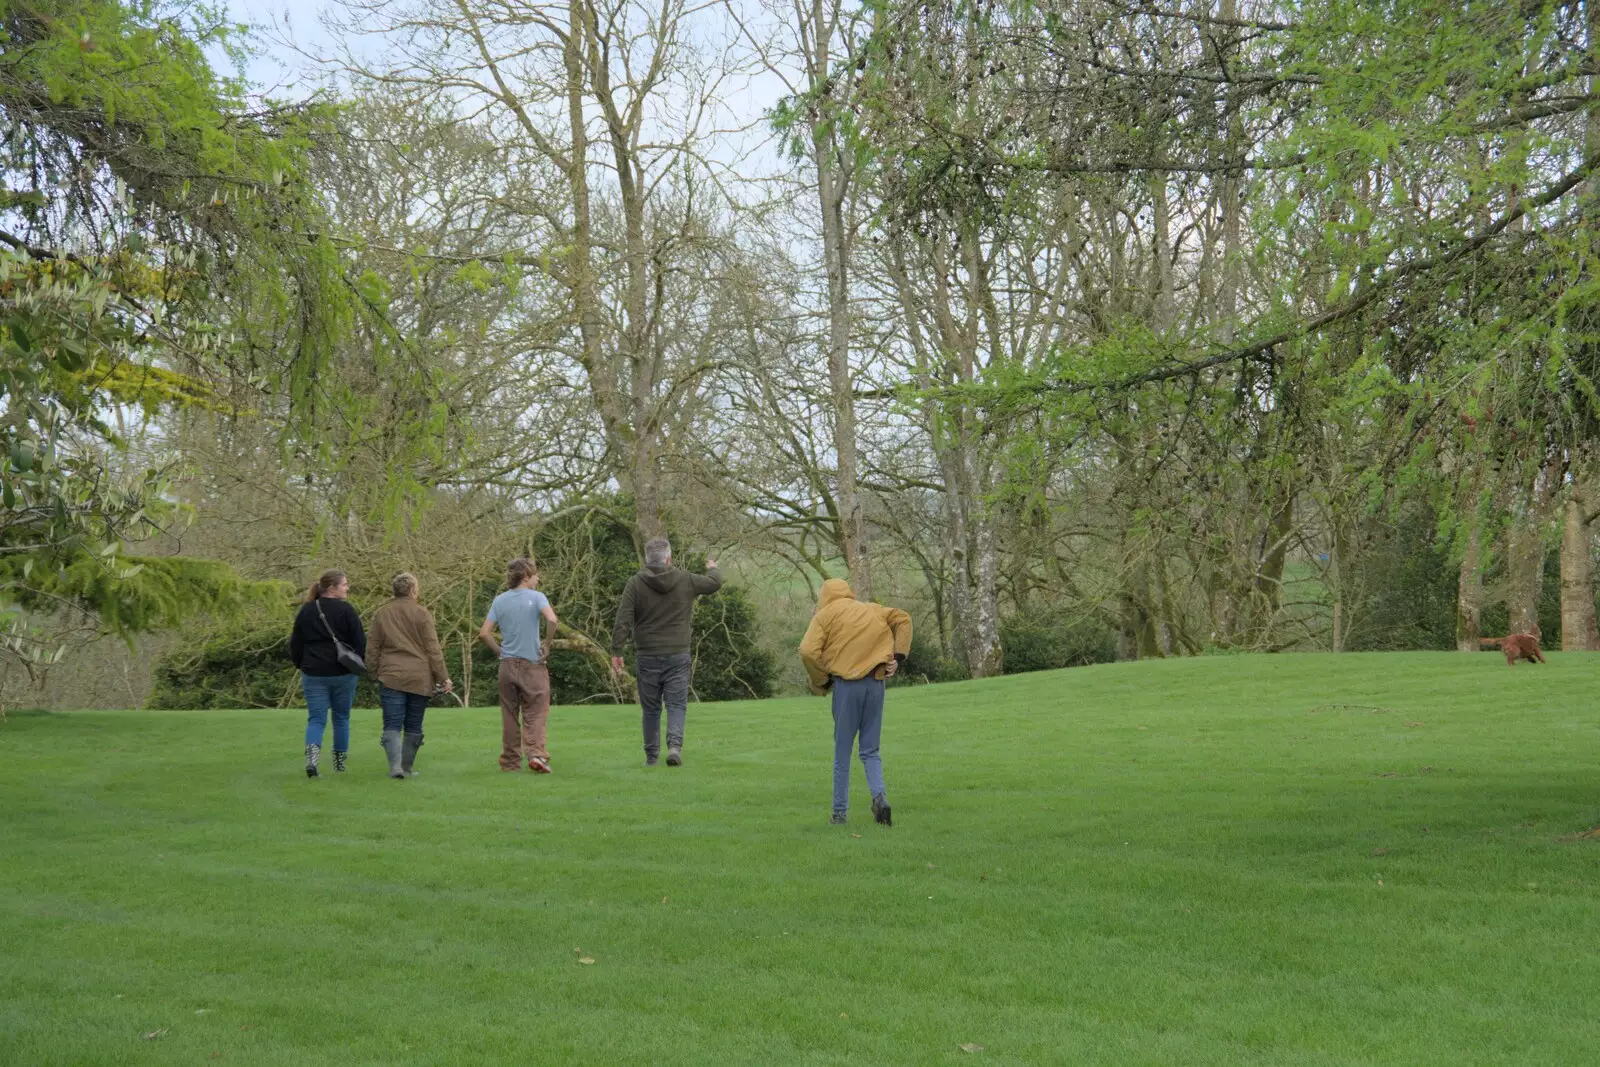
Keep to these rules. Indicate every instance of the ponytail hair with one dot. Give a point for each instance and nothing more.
(520, 570)
(328, 580)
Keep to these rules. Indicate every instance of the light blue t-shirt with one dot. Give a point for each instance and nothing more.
(516, 612)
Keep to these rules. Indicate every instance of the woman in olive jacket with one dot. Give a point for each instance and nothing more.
(404, 656)
(328, 684)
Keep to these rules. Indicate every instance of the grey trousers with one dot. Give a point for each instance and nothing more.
(857, 710)
(663, 680)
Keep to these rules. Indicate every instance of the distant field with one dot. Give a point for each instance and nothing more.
(1231, 860)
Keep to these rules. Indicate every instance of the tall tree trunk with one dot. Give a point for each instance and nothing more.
(1166, 628)
(1524, 574)
(832, 189)
(1149, 636)
(1221, 600)
(1336, 586)
(986, 656)
(1269, 571)
(1128, 629)
(649, 514)
(604, 382)
(936, 591)
(1579, 628)
(1526, 550)
(1580, 631)
(1469, 591)
(956, 547)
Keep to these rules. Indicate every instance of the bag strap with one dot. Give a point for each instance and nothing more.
(335, 637)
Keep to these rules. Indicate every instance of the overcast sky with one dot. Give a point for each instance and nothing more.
(277, 67)
(285, 26)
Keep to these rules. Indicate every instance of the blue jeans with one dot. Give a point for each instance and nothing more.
(335, 693)
(401, 710)
(857, 709)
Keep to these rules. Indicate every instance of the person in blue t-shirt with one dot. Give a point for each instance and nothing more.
(524, 678)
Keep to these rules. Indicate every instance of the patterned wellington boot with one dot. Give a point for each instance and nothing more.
(313, 753)
(339, 757)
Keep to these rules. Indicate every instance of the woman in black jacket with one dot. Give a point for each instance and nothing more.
(327, 683)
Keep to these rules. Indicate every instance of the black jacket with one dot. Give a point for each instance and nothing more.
(309, 644)
(657, 609)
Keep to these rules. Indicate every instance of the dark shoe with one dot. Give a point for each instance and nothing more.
(837, 819)
(651, 761)
(408, 752)
(313, 752)
(390, 740)
(880, 810)
(674, 757)
(339, 758)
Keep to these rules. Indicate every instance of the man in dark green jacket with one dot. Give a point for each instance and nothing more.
(657, 611)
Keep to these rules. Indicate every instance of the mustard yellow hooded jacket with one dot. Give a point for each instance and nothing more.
(850, 638)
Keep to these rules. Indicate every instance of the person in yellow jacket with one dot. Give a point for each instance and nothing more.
(849, 649)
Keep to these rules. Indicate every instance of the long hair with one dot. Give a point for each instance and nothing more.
(520, 570)
(328, 580)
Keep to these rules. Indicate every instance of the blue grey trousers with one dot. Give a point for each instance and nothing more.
(663, 680)
(857, 709)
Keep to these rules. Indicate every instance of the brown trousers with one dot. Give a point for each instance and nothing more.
(524, 708)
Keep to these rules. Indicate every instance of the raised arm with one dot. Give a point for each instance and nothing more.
(709, 582)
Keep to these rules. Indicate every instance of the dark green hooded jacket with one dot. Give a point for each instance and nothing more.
(657, 609)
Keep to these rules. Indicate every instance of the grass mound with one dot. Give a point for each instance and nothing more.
(1273, 860)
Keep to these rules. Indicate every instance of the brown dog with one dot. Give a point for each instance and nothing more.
(1515, 646)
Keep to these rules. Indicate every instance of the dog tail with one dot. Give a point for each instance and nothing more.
(1490, 642)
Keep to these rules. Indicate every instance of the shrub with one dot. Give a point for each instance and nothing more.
(1049, 641)
(924, 664)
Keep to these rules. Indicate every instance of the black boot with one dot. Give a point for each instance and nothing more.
(880, 810)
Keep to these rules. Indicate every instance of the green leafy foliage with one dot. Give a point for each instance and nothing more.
(158, 206)
(1050, 640)
(925, 664)
(240, 667)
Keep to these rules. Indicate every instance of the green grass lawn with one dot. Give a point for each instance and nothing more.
(1232, 860)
